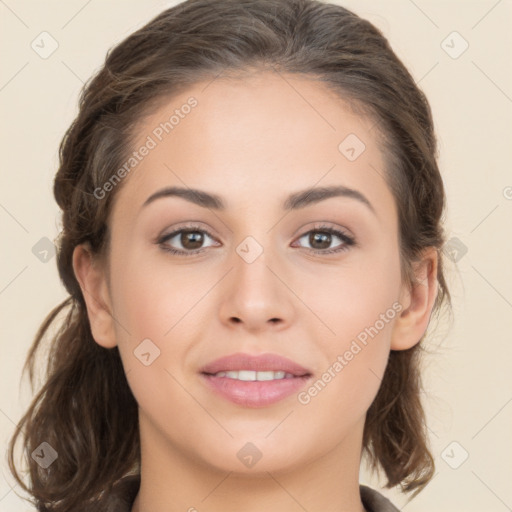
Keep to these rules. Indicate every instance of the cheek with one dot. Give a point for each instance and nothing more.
(355, 357)
(160, 309)
(151, 304)
(352, 296)
(359, 305)
(150, 297)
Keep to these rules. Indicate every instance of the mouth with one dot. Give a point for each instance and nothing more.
(251, 375)
(255, 381)
(255, 367)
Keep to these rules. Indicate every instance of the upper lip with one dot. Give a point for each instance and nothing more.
(261, 363)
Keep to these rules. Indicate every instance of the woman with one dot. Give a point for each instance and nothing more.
(252, 245)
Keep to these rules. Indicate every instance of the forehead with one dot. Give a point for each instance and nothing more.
(261, 135)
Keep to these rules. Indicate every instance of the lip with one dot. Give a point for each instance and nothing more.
(255, 393)
(262, 362)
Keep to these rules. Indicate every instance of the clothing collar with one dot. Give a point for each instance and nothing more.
(125, 491)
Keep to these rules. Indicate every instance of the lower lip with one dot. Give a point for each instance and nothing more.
(255, 393)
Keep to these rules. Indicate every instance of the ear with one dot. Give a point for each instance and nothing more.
(418, 302)
(93, 281)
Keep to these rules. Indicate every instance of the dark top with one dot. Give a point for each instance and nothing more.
(124, 492)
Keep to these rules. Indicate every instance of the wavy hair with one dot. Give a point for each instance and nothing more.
(85, 409)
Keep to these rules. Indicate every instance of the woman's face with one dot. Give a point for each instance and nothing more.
(259, 275)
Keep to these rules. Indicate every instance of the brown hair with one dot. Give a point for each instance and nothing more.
(85, 410)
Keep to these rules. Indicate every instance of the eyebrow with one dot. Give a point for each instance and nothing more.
(294, 201)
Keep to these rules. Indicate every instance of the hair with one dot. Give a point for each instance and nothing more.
(85, 409)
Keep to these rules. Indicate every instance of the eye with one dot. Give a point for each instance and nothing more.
(322, 237)
(190, 241)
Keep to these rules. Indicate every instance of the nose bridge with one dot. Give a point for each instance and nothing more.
(253, 260)
(256, 295)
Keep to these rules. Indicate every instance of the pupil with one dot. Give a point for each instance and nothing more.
(323, 238)
(191, 239)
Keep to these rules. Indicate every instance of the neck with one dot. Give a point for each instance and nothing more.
(172, 480)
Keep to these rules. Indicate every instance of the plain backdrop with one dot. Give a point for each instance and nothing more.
(459, 52)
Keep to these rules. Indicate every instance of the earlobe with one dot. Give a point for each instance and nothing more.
(413, 321)
(92, 279)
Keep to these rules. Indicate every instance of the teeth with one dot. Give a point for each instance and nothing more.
(250, 375)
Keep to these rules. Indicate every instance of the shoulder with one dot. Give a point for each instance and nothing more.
(121, 497)
(124, 493)
(374, 501)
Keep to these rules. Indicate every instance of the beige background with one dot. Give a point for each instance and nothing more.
(468, 375)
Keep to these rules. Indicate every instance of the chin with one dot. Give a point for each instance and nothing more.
(254, 457)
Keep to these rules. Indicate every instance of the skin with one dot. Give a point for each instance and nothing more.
(254, 141)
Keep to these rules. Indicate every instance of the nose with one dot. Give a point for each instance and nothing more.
(256, 295)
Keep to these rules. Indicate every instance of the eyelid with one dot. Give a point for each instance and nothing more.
(188, 226)
(322, 225)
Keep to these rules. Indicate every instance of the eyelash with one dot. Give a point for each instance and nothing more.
(348, 241)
